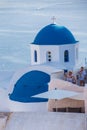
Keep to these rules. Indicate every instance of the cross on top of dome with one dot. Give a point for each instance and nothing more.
(53, 19)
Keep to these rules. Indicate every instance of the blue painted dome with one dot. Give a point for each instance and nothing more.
(30, 84)
(54, 35)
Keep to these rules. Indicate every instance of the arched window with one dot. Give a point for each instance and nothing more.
(49, 58)
(66, 56)
(35, 56)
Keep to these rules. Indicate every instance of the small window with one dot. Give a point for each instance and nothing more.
(75, 110)
(66, 56)
(49, 52)
(48, 56)
(54, 109)
(35, 56)
(49, 59)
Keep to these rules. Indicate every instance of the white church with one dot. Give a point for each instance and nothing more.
(54, 49)
(55, 45)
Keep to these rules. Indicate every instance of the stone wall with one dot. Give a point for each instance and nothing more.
(65, 103)
(85, 94)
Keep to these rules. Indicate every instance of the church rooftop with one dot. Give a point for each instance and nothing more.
(53, 34)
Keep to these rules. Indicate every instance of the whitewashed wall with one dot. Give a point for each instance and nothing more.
(72, 55)
(57, 54)
(32, 49)
(42, 51)
(54, 53)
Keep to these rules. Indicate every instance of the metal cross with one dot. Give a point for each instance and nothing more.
(53, 19)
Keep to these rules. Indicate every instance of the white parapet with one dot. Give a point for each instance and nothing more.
(47, 121)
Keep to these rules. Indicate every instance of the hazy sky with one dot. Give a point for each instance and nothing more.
(20, 21)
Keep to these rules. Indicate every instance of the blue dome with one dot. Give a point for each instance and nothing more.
(31, 83)
(54, 35)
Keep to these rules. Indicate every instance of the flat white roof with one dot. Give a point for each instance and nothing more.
(56, 94)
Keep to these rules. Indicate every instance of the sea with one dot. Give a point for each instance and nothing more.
(20, 21)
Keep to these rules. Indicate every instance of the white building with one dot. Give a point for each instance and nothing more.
(55, 44)
(54, 49)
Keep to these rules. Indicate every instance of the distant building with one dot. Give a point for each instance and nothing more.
(76, 103)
